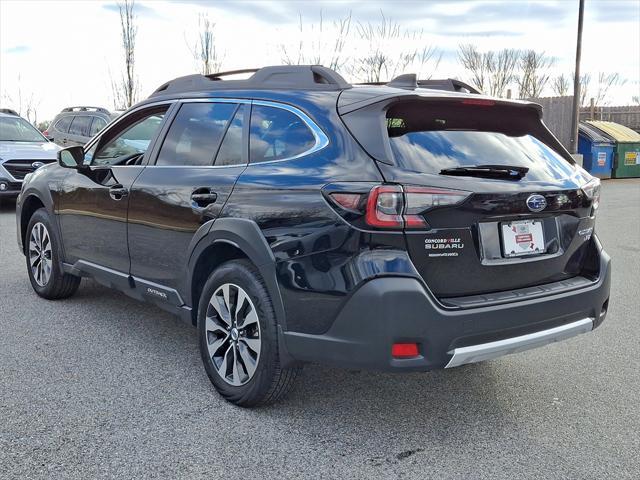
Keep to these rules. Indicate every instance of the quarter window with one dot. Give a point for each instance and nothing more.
(277, 134)
(97, 125)
(195, 134)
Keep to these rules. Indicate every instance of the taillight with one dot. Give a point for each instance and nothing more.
(384, 207)
(46, 133)
(592, 191)
(394, 206)
(348, 201)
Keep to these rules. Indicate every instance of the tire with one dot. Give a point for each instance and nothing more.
(244, 364)
(46, 277)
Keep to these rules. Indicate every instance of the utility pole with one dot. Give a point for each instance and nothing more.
(576, 84)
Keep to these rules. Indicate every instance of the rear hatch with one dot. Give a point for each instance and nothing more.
(491, 201)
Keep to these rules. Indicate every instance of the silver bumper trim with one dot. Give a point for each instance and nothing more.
(488, 351)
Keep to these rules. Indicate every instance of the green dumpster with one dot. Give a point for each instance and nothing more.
(626, 162)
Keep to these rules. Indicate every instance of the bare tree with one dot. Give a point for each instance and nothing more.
(490, 72)
(125, 90)
(204, 50)
(585, 81)
(25, 104)
(388, 52)
(605, 82)
(473, 61)
(534, 73)
(318, 44)
(560, 85)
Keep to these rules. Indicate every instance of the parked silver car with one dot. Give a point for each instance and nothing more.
(77, 125)
(23, 149)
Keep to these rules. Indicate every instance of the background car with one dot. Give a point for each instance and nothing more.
(23, 149)
(77, 125)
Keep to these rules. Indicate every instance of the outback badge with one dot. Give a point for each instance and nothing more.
(536, 203)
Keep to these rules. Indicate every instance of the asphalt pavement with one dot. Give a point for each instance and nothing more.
(101, 386)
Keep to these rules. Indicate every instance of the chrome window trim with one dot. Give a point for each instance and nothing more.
(321, 139)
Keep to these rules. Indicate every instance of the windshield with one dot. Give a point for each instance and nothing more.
(16, 129)
(428, 139)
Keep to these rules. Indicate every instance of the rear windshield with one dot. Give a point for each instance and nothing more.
(428, 137)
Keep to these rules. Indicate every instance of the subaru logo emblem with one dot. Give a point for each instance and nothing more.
(536, 203)
(37, 165)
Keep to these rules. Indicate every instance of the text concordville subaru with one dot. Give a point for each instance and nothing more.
(296, 218)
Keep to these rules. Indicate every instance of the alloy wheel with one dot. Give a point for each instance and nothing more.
(232, 332)
(40, 257)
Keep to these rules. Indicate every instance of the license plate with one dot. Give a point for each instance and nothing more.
(524, 237)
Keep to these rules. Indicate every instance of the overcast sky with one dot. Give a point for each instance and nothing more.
(65, 53)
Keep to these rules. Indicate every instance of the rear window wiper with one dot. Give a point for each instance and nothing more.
(488, 171)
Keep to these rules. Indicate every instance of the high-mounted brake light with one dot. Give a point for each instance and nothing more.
(478, 101)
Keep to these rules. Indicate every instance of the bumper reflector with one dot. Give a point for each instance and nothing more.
(404, 350)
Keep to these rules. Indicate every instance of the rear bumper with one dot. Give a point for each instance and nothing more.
(391, 310)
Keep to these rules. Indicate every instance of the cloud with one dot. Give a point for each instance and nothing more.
(138, 8)
(481, 33)
(18, 49)
(444, 17)
(614, 11)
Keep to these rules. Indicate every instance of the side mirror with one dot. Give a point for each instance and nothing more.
(71, 157)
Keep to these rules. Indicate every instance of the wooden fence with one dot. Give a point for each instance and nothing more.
(557, 115)
(628, 115)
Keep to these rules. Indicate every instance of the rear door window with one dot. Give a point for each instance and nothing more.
(232, 149)
(428, 138)
(80, 125)
(277, 134)
(195, 134)
(62, 125)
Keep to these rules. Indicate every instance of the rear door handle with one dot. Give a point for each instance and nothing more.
(118, 192)
(203, 197)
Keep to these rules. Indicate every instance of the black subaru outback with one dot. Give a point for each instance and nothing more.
(295, 218)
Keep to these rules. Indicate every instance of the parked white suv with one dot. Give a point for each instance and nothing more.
(23, 149)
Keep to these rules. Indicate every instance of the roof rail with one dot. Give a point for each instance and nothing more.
(410, 81)
(9, 111)
(85, 109)
(307, 77)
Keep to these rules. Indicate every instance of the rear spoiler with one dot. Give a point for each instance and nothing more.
(364, 122)
(350, 100)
